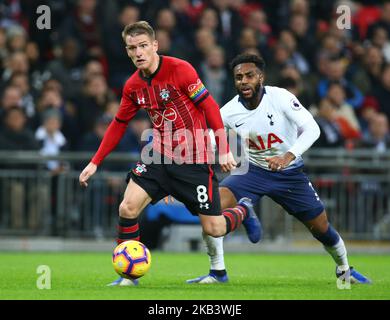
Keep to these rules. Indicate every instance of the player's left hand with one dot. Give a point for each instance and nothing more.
(278, 163)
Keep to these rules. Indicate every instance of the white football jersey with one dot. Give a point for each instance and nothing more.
(272, 128)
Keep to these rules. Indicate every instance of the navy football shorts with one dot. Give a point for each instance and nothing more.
(290, 188)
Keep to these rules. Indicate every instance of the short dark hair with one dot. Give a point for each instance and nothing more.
(248, 58)
(140, 27)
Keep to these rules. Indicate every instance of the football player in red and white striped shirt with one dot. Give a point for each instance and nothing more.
(180, 107)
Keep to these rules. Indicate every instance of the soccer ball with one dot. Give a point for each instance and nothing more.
(131, 259)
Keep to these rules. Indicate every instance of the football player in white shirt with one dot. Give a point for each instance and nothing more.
(277, 131)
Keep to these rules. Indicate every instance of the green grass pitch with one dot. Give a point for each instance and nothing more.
(252, 276)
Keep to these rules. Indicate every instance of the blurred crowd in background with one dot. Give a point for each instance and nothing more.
(60, 88)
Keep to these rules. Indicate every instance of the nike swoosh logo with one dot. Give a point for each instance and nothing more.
(239, 125)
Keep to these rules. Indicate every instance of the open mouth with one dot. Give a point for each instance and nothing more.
(140, 61)
(246, 91)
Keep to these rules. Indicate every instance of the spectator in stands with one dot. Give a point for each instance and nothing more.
(209, 20)
(215, 76)
(14, 134)
(331, 46)
(306, 44)
(367, 74)
(12, 97)
(379, 134)
(257, 21)
(382, 92)
(16, 39)
(38, 72)
(166, 20)
(165, 45)
(91, 69)
(92, 102)
(248, 39)
(280, 60)
(204, 40)
(296, 58)
(293, 81)
(118, 61)
(52, 99)
(85, 26)
(335, 72)
(229, 22)
(15, 62)
(384, 21)
(51, 138)
(380, 39)
(184, 15)
(67, 68)
(3, 45)
(21, 81)
(331, 135)
(337, 96)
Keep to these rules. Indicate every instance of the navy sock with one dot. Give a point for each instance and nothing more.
(218, 273)
(329, 238)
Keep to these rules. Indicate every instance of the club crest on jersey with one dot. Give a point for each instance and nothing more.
(158, 117)
(270, 116)
(139, 169)
(164, 94)
(295, 105)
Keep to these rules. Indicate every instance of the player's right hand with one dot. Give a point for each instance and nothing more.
(88, 171)
(227, 162)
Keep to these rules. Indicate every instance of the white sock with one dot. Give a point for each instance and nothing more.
(214, 247)
(339, 255)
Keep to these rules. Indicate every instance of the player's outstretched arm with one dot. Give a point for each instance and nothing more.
(88, 171)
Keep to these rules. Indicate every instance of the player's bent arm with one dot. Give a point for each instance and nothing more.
(310, 133)
(214, 119)
(193, 87)
(112, 136)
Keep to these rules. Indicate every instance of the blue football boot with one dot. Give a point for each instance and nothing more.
(124, 282)
(210, 278)
(354, 276)
(251, 222)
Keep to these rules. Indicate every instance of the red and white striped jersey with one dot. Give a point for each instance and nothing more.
(171, 96)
